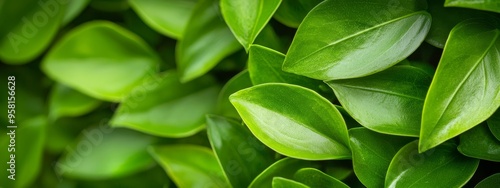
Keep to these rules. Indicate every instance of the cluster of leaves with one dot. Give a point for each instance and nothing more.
(253, 93)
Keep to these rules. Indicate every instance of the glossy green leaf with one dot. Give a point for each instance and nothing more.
(489, 182)
(164, 106)
(315, 178)
(442, 166)
(22, 152)
(357, 38)
(247, 18)
(279, 182)
(168, 17)
(116, 59)
(65, 101)
(464, 91)
(372, 153)
(190, 166)
(480, 143)
(206, 41)
(293, 121)
(238, 82)
(240, 154)
(103, 152)
(494, 124)
(264, 66)
(389, 102)
(285, 168)
(292, 12)
(269, 38)
(488, 5)
(27, 28)
(73, 9)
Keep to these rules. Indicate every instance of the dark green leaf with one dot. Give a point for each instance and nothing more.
(480, 143)
(238, 82)
(489, 182)
(74, 8)
(494, 124)
(65, 101)
(488, 5)
(279, 182)
(357, 38)
(293, 121)
(292, 12)
(315, 178)
(285, 168)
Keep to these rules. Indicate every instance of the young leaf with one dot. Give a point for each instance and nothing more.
(464, 91)
(292, 12)
(238, 82)
(315, 178)
(293, 121)
(285, 168)
(357, 38)
(166, 107)
(490, 181)
(279, 182)
(247, 18)
(65, 101)
(206, 41)
(189, 165)
(486, 5)
(480, 143)
(389, 102)
(442, 166)
(100, 59)
(372, 153)
(494, 124)
(240, 154)
(168, 17)
(103, 152)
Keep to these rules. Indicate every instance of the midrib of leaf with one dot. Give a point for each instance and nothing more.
(381, 91)
(254, 25)
(359, 33)
(429, 172)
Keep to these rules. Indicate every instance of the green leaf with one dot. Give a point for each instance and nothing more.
(189, 165)
(487, 5)
(388, 102)
(166, 107)
(22, 152)
(292, 12)
(315, 178)
(28, 27)
(357, 38)
(206, 41)
(168, 17)
(494, 124)
(480, 143)
(464, 91)
(236, 83)
(241, 155)
(285, 168)
(269, 38)
(293, 121)
(73, 9)
(489, 182)
(247, 18)
(100, 59)
(279, 182)
(102, 153)
(442, 166)
(264, 66)
(65, 101)
(372, 153)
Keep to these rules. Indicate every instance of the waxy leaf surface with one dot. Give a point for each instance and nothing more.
(480, 143)
(488, 5)
(315, 178)
(285, 168)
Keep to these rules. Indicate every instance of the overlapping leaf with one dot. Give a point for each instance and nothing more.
(494, 124)
(285, 168)
(238, 82)
(292, 12)
(315, 178)
(279, 182)
(480, 143)
(487, 5)
(65, 101)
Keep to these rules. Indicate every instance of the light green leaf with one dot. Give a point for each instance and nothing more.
(480, 143)
(101, 59)
(65, 101)
(294, 121)
(240, 154)
(464, 91)
(238, 82)
(487, 5)
(74, 8)
(494, 124)
(103, 152)
(22, 152)
(489, 182)
(269, 38)
(357, 38)
(315, 178)
(292, 12)
(442, 166)
(388, 102)
(27, 28)
(372, 153)
(247, 18)
(189, 165)
(279, 182)
(168, 17)
(164, 106)
(285, 168)
(206, 41)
